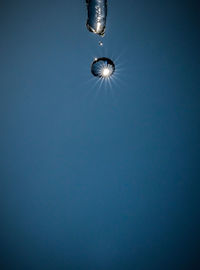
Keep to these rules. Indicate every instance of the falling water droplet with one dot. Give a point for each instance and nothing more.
(100, 43)
(102, 67)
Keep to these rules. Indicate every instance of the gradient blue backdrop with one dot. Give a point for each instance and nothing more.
(97, 178)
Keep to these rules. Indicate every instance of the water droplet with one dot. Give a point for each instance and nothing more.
(102, 67)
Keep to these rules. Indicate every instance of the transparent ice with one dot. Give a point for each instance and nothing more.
(97, 13)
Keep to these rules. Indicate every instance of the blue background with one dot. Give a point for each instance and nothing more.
(99, 176)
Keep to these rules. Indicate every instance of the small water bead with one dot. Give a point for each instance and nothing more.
(100, 43)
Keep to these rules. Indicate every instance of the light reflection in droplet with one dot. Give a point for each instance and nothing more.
(102, 67)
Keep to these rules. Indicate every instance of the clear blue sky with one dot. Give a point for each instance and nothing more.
(96, 177)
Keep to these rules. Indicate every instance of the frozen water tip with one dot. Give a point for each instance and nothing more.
(97, 13)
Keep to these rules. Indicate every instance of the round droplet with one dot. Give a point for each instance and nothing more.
(102, 67)
(100, 43)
